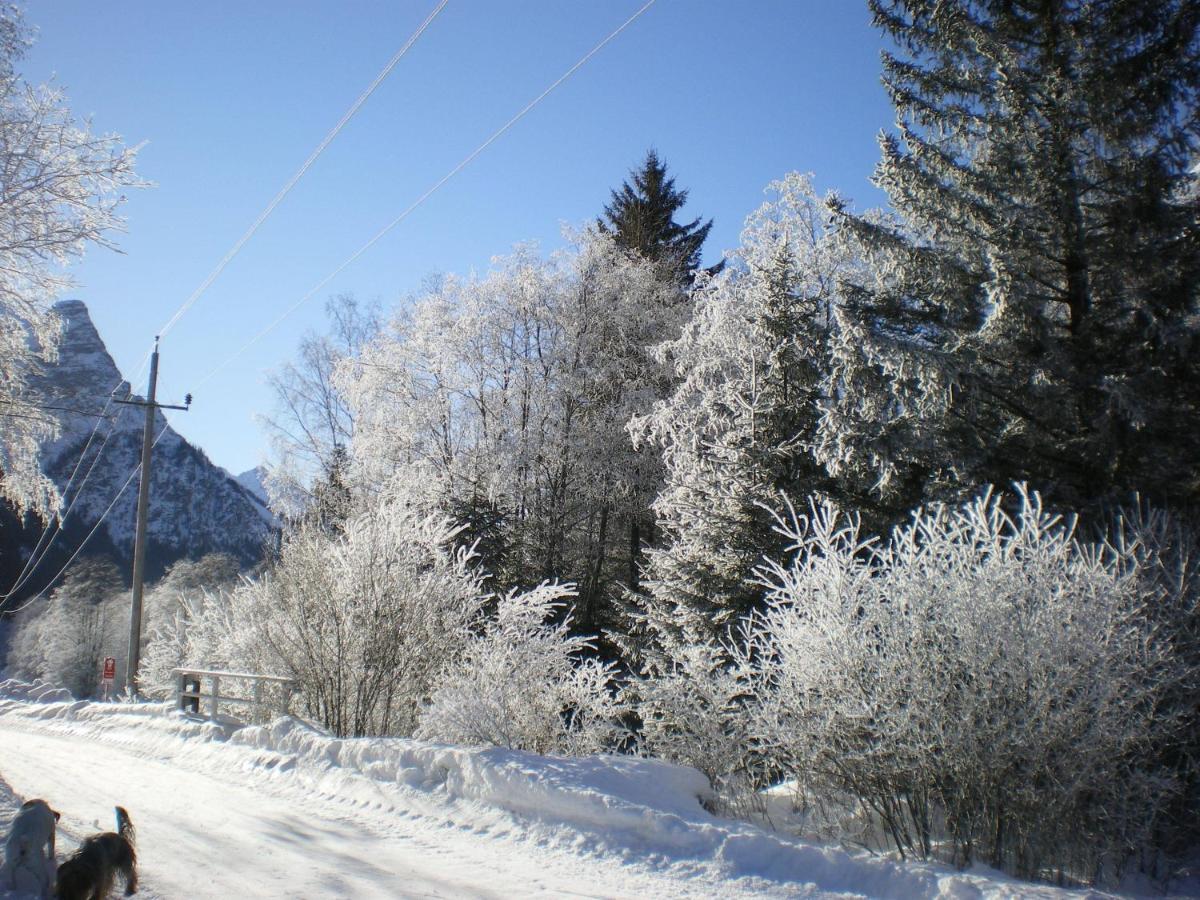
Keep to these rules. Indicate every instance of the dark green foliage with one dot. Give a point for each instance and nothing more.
(641, 218)
(1033, 315)
(331, 496)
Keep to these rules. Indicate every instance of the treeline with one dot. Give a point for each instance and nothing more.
(740, 516)
(622, 419)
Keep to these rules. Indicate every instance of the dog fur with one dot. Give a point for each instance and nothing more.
(29, 864)
(89, 873)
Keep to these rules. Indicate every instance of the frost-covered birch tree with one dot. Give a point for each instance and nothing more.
(501, 402)
(1033, 313)
(60, 188)
(311, 427)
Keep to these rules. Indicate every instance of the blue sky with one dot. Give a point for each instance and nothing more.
(230, 98)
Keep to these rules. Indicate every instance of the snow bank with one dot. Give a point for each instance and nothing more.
(33, 692)
(643, 813)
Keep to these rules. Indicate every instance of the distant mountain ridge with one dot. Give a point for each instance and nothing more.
(254, 480)
(196, 507)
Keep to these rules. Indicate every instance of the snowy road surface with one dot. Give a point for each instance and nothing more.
(284, 811)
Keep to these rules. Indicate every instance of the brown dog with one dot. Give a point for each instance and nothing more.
(90, 872)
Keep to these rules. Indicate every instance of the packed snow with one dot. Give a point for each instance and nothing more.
(284, 810)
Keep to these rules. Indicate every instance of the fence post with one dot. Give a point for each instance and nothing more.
(216, 694)
(258, 690)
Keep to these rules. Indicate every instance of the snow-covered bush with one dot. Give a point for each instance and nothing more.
(525, 681)
(174, 628)
(363, 619)
(983, 679)
(195, 631)
(694, 714)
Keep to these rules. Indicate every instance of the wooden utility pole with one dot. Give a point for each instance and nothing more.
(143, 508)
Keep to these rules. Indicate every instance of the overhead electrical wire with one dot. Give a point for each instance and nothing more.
(428, 193)
(35, 559)
(136, 469)
(286, 189)
(51, 534)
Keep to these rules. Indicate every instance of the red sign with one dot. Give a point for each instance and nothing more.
(110, 670)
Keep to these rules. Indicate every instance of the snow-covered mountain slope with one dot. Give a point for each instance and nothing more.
(286, 811)
(253, 481)
(196, 507)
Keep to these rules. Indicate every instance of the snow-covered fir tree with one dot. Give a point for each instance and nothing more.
(1033, 314)
(740, 425)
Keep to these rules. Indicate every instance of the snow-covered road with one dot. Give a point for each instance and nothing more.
(203, 838)
(288, 812)
(234, 838)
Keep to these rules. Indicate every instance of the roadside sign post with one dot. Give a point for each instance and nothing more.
(108, 675)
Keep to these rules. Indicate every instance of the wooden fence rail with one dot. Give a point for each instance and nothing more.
(190, 692)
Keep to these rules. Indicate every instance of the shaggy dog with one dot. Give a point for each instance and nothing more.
(29, 851)
(90, 872)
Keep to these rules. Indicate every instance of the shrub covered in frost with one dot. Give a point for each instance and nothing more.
(363, 619)
(983, 677)
(525, 681)
(694, 713)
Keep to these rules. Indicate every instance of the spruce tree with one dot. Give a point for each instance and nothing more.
(641, 218)
(740, 425)
(1032, 312)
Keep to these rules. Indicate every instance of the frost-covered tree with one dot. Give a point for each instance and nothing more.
(64, 639)
(60, 188)
(641, 219)
(741, 422)
(502, 401)
(312, 425)
(525, 681)
(1033, 312)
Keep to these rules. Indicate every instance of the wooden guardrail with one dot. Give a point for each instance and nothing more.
(191, 692)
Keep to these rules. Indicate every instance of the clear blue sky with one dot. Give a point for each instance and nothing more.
(230, 99)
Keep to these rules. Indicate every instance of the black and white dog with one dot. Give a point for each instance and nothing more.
(29, 865)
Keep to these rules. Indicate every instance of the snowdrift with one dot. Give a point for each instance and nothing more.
(638, 813)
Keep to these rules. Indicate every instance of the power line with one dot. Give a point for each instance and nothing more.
(39, 552)
(36, 557)
(425, 196)
(270, 208)
(90, 534)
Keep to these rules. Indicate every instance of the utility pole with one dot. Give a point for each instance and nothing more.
(143, 508)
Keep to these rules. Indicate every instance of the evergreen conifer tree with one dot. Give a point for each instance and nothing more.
(641, 218)
(1032, 313)
(741, 422)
